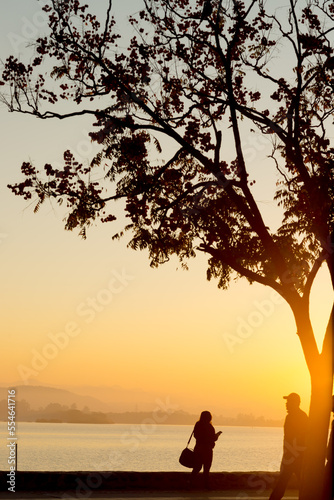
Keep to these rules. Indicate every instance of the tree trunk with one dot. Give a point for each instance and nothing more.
(312, 480)
(320, 368)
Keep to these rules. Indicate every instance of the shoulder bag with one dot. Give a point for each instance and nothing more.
(187, 457)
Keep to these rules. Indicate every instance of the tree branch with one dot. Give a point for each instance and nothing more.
(312, 274)
(243, 271)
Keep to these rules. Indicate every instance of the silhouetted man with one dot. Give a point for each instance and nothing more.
(295, 430)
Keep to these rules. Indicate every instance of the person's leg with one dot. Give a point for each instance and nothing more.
(196, 469)
(282, 482)
(298, 469)
(206, 468)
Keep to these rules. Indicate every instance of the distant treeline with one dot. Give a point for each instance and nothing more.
(55, 412)
(184, 418)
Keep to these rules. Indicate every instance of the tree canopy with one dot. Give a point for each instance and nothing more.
(194, 72)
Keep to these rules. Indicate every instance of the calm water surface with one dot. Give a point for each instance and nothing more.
(136, 447)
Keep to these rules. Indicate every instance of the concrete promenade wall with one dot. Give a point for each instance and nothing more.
(85, 484)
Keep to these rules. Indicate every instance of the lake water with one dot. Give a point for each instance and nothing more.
(135, 447)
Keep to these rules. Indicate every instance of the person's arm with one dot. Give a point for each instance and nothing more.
(196, 431)
(288, 429)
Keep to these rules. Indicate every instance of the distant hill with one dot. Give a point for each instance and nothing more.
(97, 398)
(40, 396)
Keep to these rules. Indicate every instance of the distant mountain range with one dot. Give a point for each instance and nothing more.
(105, 399)
(51, 404)
(39, 396)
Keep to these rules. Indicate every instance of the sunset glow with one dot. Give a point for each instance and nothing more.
(93, 313)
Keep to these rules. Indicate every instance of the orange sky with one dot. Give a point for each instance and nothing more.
(93, 312)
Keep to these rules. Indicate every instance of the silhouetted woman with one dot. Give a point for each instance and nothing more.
(206, 438)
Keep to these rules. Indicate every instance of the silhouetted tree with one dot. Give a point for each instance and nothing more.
(201, 74)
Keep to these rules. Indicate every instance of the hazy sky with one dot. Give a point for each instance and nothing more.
(93, 312)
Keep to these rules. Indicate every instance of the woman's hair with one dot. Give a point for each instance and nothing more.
(205, 417)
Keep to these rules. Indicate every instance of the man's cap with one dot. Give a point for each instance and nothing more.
(294, 397)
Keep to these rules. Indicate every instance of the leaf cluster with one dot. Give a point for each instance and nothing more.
(197, 74)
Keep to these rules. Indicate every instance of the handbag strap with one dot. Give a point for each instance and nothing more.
(191, 435)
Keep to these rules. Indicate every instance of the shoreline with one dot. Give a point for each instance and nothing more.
(85, 484)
